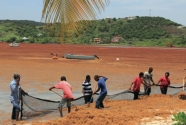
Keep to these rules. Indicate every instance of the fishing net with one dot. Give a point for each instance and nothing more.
(33, 106)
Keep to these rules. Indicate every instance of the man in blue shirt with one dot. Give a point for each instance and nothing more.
(101, 85)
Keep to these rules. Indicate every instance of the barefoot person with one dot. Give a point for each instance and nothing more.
(164, 83)
(136, 85)
(67, 94)
(87, 89)
(101, 85)
(15, 96)
(148, 79)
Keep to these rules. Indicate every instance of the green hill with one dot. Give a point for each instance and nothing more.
(141, 31)
(15, 30)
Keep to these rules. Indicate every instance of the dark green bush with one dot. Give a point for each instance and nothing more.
(180, 118)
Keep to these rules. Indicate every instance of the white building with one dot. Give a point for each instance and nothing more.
(39, 34)
(181, 27)
(24, 38)
(131, 17)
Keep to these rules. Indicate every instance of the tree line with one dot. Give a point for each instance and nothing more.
(140, 29)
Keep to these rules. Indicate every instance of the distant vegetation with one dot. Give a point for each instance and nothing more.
(141, 31)
(15, 30)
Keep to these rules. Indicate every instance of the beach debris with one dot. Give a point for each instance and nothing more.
(182, 96)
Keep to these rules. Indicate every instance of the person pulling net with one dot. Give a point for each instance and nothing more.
(33, 106)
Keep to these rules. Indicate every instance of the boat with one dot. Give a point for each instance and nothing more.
(81, 57)
(14, 44)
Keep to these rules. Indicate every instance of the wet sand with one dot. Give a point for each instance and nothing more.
(39, 72)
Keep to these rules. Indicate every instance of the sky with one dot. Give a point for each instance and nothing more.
(174, 10)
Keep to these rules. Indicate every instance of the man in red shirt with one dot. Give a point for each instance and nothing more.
(136, 85)
(67, 94)
(165, 82)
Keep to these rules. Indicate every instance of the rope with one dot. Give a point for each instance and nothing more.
(169, 86)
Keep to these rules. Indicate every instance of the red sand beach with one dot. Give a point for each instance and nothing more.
(35, 65)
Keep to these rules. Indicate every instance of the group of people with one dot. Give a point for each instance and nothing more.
(16, 91)
(143, 78)
(87, 92)
(146, 79)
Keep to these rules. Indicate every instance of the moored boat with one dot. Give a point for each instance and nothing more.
(81, 57)
(14, 44)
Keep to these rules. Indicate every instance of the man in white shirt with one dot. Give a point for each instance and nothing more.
(15, 96)
(148, 79)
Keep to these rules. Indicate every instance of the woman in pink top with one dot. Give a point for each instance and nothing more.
(67, 94)
(136, 85)
(165, 82)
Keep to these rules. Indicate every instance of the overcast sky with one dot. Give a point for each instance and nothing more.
(174, 10)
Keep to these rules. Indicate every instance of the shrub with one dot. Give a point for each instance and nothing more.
(11, 39)
(180, 118)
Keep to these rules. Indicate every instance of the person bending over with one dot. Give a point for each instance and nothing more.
(67, 94)
(101, 85)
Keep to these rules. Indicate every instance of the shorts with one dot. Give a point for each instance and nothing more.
(88, 99)
(136, 94)
(63, 101)
(164, 90)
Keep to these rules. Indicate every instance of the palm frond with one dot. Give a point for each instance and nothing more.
(72, 15)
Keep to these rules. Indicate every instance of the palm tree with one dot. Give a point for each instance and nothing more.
(72, 15)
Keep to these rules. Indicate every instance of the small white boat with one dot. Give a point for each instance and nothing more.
(14, 44)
